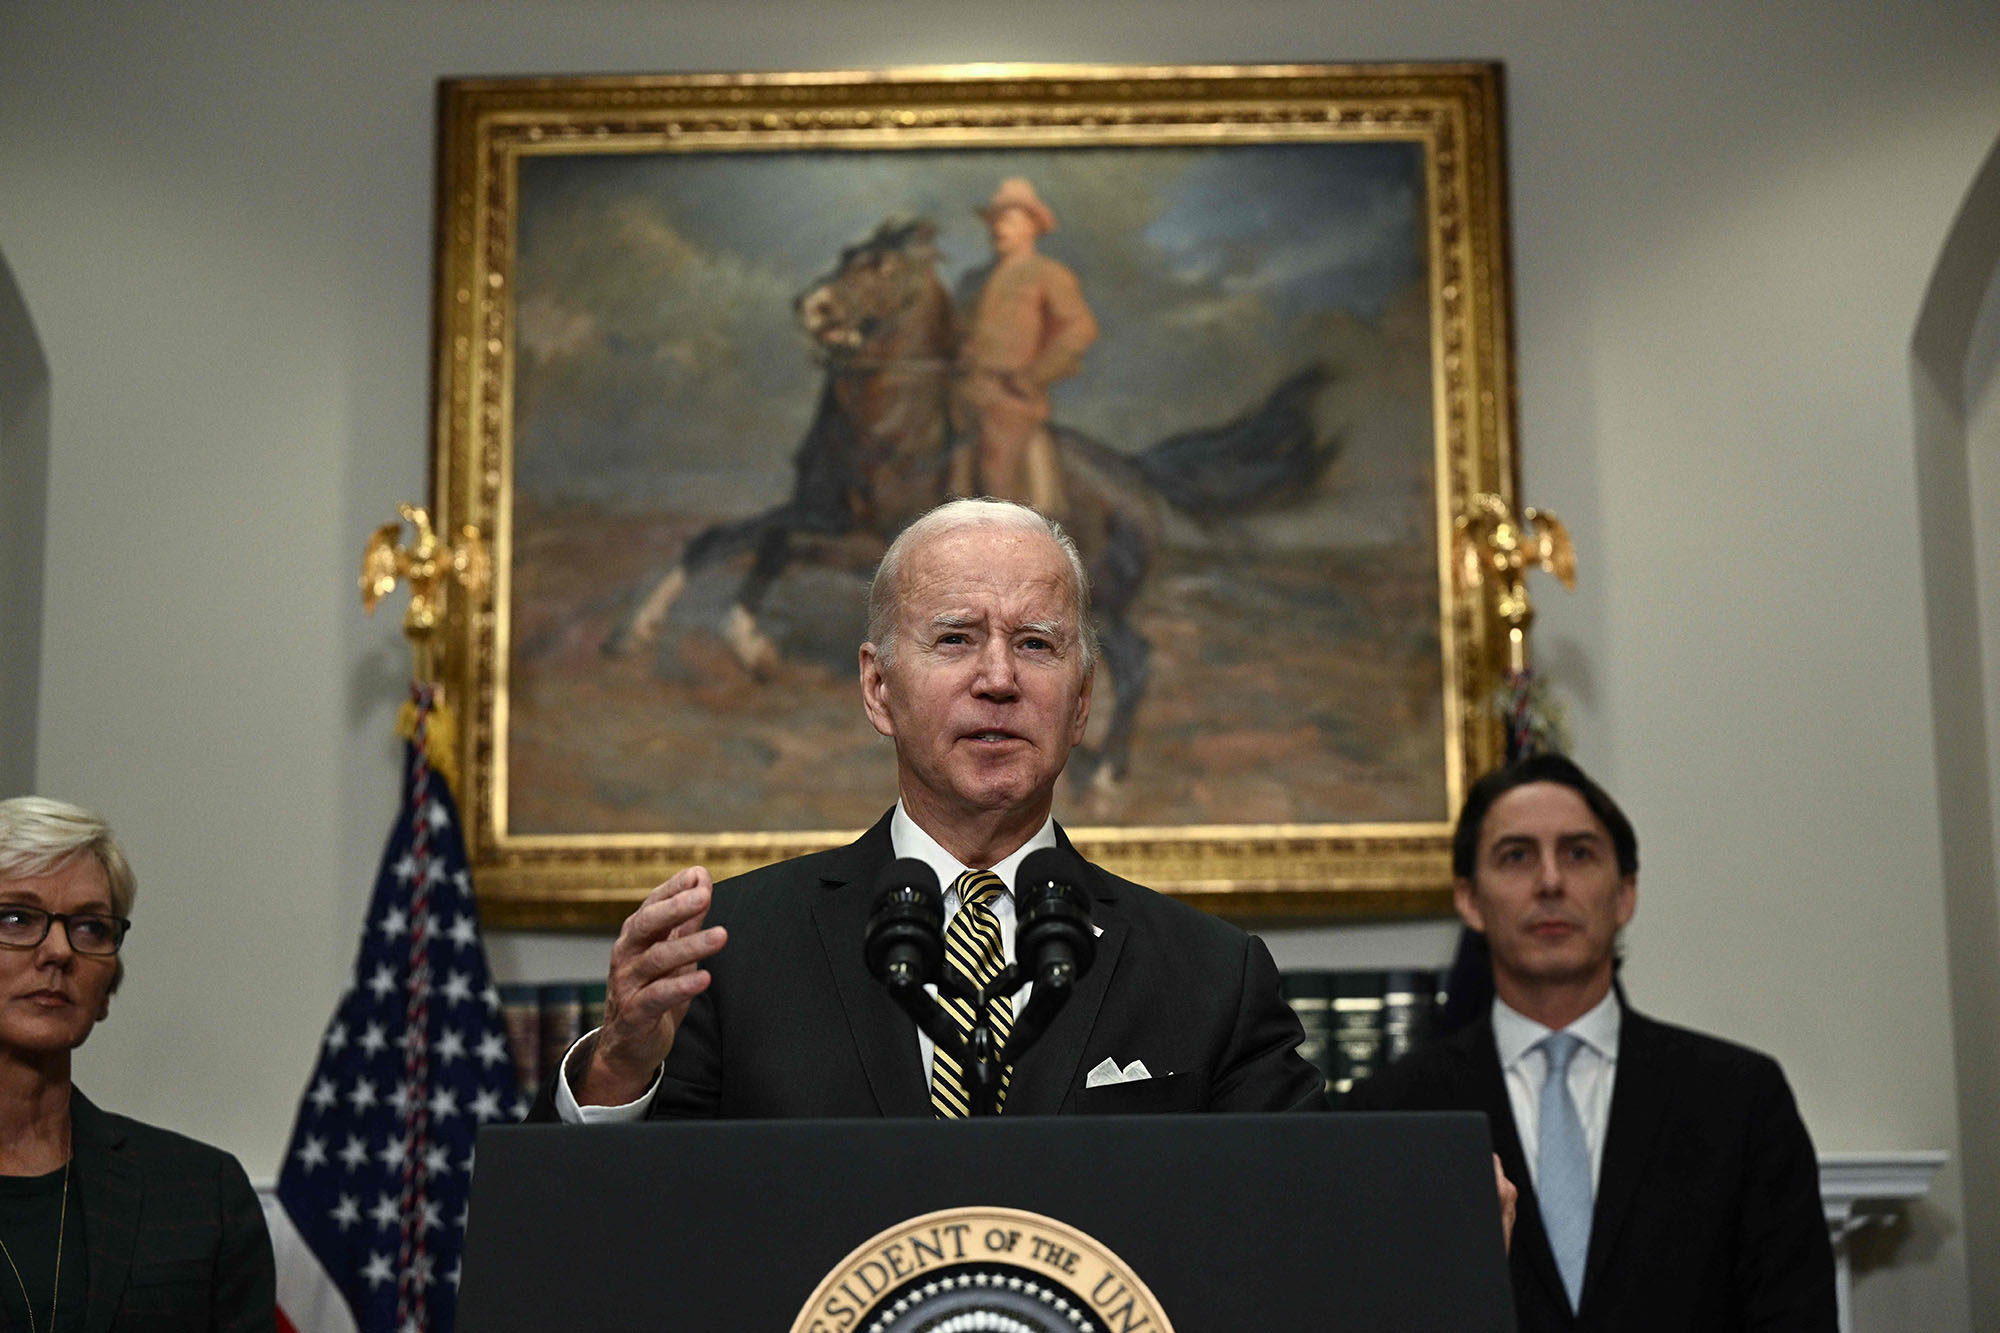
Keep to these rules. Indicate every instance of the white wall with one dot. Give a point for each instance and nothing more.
(1954, 357)
(1724, 221)
(24, 478)
(1979, 1017)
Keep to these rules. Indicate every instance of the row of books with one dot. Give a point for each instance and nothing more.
(544, 1021)
(1357, 1021)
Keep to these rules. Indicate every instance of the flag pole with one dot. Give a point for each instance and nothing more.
(373, 1191)
(1493, 553)
(429, 567)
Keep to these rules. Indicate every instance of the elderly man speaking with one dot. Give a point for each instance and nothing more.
(751, 998)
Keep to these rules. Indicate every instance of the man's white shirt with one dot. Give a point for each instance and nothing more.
(905, 839)
(1592, 1071)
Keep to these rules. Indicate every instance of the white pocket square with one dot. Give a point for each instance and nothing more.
(1107, 1072)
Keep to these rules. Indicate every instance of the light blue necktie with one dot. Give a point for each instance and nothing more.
(1562, 1167)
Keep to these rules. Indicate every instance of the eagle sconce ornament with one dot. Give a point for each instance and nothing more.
(428, 568)
(1493, 550)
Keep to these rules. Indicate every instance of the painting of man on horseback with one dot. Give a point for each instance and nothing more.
(911, 416)
(919, 398)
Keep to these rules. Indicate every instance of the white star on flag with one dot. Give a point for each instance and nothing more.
(347, 1212)
(492, 1049)
(385, 1212)
(311, 1154)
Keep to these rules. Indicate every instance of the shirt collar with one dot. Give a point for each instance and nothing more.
(907, 838)
(1515, 1034)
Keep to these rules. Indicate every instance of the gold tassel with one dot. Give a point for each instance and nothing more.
(441, 745)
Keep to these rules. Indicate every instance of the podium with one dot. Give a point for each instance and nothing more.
(1113, 1224)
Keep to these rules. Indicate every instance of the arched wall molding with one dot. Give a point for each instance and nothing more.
(1958, 488)
(24, 487)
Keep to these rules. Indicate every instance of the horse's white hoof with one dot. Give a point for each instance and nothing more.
(753, 648)
(652, 612)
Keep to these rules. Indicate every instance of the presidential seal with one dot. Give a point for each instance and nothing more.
(982, 1270)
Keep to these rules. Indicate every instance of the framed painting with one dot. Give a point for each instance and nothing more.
(706, 342)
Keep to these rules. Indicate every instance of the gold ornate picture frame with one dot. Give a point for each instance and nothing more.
(663, 396)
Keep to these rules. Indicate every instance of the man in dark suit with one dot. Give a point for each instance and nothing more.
(1667, 1181)
(979, 668)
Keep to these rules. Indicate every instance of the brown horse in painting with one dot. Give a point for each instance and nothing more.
(877, 455)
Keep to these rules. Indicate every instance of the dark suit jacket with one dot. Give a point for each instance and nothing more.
(175, 1234)
(1708, 1210)
(792, 1024)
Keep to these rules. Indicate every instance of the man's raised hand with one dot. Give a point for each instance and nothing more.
(655, 974)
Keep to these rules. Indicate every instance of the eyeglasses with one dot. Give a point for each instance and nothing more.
(88, 932)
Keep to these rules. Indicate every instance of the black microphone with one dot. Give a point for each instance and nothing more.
(904, 946)
(1052, 934)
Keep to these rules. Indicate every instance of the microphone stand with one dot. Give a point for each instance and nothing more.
(904, 949)
(980, 1056)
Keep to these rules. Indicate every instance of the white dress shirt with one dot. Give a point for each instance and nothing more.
(1591, 1072)
(905, 839)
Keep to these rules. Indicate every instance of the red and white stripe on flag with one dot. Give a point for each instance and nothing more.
(308, 1301)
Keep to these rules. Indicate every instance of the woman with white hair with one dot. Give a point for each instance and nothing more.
(105, 1223)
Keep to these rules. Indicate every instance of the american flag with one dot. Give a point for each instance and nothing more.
(372, 1195)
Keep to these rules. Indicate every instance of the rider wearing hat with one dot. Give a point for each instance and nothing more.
(1029, 327)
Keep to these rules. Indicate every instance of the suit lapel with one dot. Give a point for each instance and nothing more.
(884, 1038)
(1051, 1071)
(109, 1182)
(1641, 1092)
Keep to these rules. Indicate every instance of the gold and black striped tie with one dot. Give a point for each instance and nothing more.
(972, 947)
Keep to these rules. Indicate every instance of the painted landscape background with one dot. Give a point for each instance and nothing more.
(662, 384)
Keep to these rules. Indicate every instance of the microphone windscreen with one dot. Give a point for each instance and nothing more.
(905, 940)
(909, 872)
(1052, 916)
(1049, 868)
